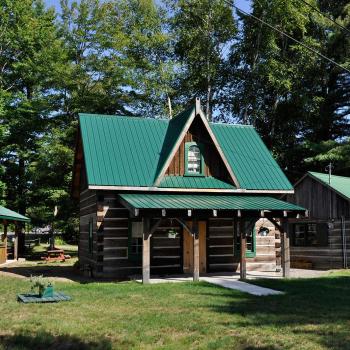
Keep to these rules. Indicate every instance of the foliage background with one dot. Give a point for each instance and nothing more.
(151, 58)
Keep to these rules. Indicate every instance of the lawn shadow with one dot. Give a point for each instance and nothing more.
(47, 341)
(317, 307)
(67, 272)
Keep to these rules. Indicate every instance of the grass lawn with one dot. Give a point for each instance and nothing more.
(313, 314)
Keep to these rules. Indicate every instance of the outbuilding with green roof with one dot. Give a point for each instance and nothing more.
(322, 240)
(8, 216)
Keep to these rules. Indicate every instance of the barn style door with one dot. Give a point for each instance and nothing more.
(188, 248)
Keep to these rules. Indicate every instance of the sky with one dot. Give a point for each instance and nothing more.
(243, 4)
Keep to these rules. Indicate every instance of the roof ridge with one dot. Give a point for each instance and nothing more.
(316, 172)
(122, 116)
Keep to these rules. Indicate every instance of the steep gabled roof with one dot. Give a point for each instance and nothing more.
(339, 184)
(176, 133)
(128, 152)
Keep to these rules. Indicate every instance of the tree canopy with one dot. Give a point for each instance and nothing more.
(151, 58)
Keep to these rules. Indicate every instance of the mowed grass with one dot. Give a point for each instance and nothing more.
(313, 314)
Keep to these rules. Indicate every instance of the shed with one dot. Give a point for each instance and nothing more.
(322, 240)
(6, 217)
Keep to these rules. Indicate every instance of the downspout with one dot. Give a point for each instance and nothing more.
(344, 249)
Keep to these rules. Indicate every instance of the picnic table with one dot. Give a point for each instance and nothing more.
(54, 255)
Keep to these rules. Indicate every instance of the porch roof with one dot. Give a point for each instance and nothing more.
(207, 202)
(7, 214)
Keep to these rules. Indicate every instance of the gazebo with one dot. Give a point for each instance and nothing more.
(7, 216)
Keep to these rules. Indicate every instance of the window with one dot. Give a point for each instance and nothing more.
(135, 239)
(90, 237)
(310, 235)
(250, 241)
(194, 164)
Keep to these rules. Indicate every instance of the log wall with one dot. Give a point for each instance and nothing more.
(324, 258)
(318, 199)
(87, 210)
(110, 256)
(222, 255)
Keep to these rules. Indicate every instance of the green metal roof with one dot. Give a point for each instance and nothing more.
(7, 214)
(130, 151)
(340, 184)
(249, 158)
(203, 202)
(208, 182)
(121, 151)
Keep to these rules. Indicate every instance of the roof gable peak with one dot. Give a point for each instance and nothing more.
(178, 127)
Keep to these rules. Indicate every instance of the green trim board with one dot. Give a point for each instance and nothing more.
(206, 202)
(133, 151)
(7, 214)
(187, 148)
(340, 184)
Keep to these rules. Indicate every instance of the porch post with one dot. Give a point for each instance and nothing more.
(285, 253)
(195, 250)
(243, 241)
(5, 234)
(15, 245)
(146, 251)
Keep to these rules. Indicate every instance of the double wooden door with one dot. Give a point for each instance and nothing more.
(188, 248)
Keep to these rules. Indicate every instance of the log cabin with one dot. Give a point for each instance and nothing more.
(176, 196)
(322, 240)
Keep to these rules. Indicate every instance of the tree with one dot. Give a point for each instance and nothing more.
(285, 90)
(203, 32)
(31, 58)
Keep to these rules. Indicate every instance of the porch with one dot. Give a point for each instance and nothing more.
(192, 211)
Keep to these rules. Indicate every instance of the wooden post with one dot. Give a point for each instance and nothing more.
(146, 251)
(15, 245)
(285, 253)
(195, 251)
(4, 239)
(243, 263)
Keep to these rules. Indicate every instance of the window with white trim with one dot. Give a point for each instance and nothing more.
(193, 159)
